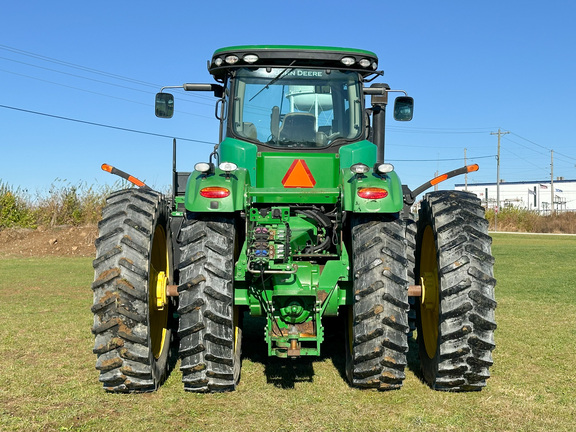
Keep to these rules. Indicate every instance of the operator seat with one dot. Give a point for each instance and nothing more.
(298, 128)
(249, 131)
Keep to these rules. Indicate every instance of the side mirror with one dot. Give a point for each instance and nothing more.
(164, 105)
(403, 108)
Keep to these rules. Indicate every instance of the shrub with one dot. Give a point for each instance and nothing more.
(63, 204)
(68, 204)
(522, 220)
(14, 209)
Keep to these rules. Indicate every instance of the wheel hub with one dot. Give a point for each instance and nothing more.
(161, 283)
(429, 291)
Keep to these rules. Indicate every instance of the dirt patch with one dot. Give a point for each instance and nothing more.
(58, 241)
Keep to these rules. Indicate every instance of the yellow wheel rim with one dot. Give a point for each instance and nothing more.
(429, 306)
(236, 320)
(157, 299)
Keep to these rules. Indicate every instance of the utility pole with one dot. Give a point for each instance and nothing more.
(499, 133)
(551, 182)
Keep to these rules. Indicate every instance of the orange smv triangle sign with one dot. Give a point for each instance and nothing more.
(298, 175)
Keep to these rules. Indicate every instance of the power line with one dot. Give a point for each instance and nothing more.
(85, 69)
(71, 74)
(434, 131)
(521, 158)
(562, 154)
(103, 94)
(525, 146)
(104, 125)
(75, 66)
(71, 87)
(403, 146)
(440, 160)
(531, 142)
(541, 146)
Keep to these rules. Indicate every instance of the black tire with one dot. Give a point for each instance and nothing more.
(376, 341)
(210, 328)
(133, 260)
(456, 316)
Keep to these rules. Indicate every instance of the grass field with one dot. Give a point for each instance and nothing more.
(48, 380)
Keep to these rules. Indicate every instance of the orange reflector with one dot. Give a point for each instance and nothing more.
(214, 192)
(474, 167)
(107, 168)
(372, 193)
(438, 179)
(298, 175)
(135, 181)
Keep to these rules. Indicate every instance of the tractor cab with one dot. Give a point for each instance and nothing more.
(284, 98)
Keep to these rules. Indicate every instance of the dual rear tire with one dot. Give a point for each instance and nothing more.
(448, 252)
(134, 326)
(455, 315)
(133, 323)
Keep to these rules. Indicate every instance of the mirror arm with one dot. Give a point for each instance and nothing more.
(380, 91)
(397, 91)
(216, 88)
(169, 87)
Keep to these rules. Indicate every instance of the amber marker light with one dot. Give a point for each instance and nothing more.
(135, 181)
(214, 192)
(439, 179)
(372, 193)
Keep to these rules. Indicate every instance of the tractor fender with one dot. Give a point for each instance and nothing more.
(352, 184)
(220, 191)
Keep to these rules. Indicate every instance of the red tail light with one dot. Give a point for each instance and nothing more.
(214, 192)
(372, 193)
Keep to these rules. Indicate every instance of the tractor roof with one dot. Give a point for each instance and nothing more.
(224, 59)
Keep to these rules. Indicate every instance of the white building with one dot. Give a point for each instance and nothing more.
(531, 195)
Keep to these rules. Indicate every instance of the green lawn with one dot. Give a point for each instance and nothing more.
(48, 380)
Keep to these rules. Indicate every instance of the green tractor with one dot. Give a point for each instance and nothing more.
(295, 217)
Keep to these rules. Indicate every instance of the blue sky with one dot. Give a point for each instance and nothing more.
(472, 67)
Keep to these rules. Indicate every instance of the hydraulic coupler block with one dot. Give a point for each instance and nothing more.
(268, 240)
(267, 244)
